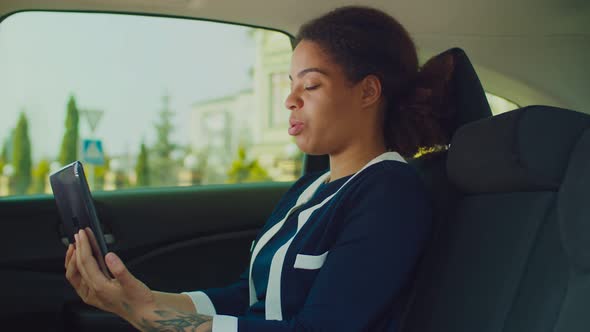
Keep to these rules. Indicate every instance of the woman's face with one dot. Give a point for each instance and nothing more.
(325, 107)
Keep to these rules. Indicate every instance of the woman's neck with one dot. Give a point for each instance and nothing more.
(352, 160)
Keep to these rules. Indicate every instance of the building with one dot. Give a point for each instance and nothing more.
(256, 118)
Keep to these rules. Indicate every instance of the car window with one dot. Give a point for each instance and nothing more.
(499, 104)
(142, 101)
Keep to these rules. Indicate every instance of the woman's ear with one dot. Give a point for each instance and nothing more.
(371, 91)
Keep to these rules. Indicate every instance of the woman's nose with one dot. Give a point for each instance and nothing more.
(293, 102)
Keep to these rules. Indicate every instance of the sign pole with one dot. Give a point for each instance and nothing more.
(93, 117)
(91, 176)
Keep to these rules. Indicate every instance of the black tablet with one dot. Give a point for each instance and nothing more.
(76, 209)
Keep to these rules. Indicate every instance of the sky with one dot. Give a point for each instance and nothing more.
(120, 64)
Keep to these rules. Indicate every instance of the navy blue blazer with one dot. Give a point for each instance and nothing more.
(351, 249)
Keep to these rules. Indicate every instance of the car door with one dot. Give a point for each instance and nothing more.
(188, 228)
(172, 240)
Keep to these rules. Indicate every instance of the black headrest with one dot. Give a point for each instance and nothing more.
(523, 150)
(467, 93)
(573, 206)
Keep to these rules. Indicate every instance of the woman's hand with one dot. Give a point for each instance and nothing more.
(124, 295)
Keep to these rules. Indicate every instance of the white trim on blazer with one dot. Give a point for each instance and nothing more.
(273, 306)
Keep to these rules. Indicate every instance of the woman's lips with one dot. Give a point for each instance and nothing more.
(296, 128)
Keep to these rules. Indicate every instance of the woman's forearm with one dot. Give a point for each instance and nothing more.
(171, 312)
(182, 302)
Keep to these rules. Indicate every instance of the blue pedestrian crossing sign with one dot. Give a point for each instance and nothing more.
(92, 152)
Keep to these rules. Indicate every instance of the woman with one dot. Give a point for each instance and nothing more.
(340, 246)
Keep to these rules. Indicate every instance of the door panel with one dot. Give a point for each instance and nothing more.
(173, 239)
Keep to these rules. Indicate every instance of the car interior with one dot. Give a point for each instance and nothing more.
(510, 251)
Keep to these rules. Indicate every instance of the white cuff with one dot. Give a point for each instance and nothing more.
(202, 303)
(223, 323)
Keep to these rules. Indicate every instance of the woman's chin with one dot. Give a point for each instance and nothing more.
(302, 145)
(309, 149)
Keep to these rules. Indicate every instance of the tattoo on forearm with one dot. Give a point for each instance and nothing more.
(174, 321)
(127, 307)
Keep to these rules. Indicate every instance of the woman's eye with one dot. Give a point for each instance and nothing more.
(311, 87)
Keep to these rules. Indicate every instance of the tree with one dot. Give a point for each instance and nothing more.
(4, 155)
(243, 170)
(40, 174)
(5, 150)
(21, 156)
(142, 168)
(163, 170)
(69, 145)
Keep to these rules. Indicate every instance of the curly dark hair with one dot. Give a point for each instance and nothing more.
(366, 41)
